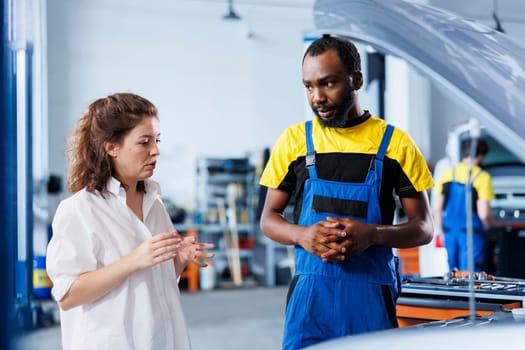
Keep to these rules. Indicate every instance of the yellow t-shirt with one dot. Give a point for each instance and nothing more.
(345, 155)
(482, 184)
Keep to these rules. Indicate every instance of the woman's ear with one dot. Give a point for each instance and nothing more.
(111, 149)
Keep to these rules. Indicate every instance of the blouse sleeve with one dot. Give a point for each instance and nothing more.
(71, 250)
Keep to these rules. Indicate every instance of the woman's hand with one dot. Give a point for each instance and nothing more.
(159, 248)
(193, 251)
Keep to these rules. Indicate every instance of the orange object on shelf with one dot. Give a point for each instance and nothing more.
(246, 243)
(191, 273)
(409, 261)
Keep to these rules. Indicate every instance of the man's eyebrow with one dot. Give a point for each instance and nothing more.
(322, 79)
(328, 77)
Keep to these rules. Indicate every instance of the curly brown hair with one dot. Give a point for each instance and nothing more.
(107, 119)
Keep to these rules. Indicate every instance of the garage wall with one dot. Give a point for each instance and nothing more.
(223, 88)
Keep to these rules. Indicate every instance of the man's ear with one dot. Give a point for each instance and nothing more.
(111, 148)
(357, 80)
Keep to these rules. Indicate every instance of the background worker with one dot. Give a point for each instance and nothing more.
(343, 167)
(450, 213)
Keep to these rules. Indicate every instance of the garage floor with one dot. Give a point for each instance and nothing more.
(233, 319)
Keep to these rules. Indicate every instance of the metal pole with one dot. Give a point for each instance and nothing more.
(474, 136)
(8, 181)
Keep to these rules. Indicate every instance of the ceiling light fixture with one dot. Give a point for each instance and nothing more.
(498, 27)
(231, 15)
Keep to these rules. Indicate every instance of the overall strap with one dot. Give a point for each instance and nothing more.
(384, 142)
(378, 162)
(476, 176)
(310, 151)
(472, 176)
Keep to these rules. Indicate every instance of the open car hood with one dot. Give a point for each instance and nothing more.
(484, 68)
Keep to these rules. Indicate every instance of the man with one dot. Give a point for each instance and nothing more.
(346, 279)
(450, 212)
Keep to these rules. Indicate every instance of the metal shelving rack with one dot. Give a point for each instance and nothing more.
(216, 177)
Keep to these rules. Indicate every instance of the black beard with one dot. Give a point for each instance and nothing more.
(340, 118)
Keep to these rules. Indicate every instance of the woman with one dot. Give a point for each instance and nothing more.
(114, 258)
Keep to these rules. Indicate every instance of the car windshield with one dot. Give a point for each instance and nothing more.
(499, 155)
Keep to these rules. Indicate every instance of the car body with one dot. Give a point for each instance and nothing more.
(478, 335)
(479, 67)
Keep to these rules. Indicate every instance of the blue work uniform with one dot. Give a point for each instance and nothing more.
(357, 295)
(455, 227)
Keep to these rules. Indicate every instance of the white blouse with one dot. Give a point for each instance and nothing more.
(142, 313)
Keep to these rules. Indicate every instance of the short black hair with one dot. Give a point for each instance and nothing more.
(482, 148)
(346, 50)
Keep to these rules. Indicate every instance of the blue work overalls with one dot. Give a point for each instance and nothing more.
(334, 299)
(455, 228)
